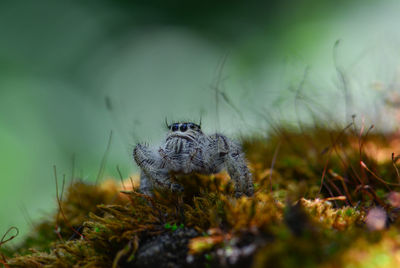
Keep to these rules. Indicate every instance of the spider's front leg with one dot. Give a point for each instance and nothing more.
(235, 163)
(154, 173)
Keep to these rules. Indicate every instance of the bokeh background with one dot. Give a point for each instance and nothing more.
(72, 71)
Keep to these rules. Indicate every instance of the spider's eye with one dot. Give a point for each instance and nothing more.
(191, 126)
(175, 127)
(183, 127)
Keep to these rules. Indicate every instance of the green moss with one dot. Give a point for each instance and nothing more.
(309, 210)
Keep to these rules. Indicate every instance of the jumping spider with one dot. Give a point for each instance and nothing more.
(187, 149)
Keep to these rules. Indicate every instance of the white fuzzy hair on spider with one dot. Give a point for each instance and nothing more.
(186, 149)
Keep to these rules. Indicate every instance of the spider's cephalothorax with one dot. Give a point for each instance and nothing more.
(187, 149)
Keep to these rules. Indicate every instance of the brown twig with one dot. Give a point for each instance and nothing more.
(60, 208)
(120, 177)
(273, 163)
(394, 160)
(344, 185)
(363, 165)
(329, 154)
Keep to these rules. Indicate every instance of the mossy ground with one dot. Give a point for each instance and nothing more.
(324, 198)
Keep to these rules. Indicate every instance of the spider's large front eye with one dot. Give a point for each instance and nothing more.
(183, 127)
(175, 127)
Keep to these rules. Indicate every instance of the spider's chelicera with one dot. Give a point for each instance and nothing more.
(187, 149)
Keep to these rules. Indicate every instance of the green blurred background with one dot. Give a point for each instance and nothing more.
(72, 71)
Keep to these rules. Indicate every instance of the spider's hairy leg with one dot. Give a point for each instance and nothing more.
(237, 169)
(167, 161)
(194, 161)
(146, 185)
(236, 166)
(153, 172)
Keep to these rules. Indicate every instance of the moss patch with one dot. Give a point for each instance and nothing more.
(324, 198)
